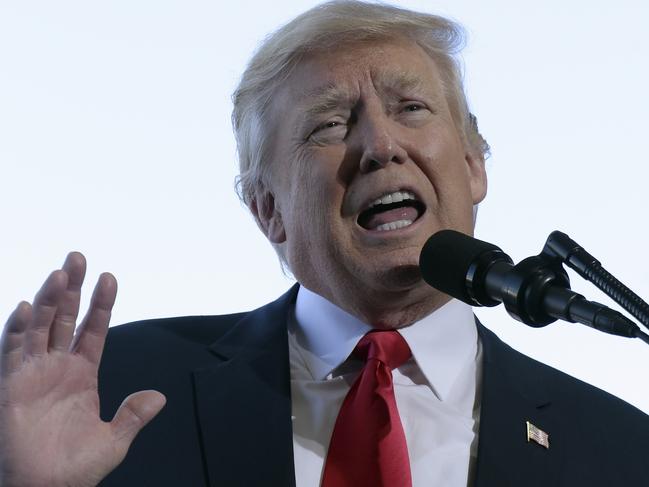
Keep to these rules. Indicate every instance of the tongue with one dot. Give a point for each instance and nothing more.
(389, 216)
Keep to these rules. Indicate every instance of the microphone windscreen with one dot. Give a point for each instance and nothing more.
(445, 260)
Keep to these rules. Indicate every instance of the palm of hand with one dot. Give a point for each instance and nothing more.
(50, 430)
(52, 408)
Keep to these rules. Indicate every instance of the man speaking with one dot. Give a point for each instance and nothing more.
(355, 144)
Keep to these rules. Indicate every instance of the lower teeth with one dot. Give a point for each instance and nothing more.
(393, 225)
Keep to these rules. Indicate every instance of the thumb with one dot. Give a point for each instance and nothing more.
(134, 413)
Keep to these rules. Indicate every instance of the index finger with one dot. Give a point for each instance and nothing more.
(91, 334)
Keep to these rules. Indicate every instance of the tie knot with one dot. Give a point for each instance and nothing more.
(386, 346)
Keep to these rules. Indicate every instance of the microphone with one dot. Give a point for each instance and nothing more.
(460, 266)
(536, 291)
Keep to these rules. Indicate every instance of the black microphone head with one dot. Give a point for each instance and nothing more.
(446, 259)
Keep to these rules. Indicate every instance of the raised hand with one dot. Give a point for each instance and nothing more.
(50, 430)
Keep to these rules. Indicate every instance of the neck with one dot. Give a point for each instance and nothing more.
(387, 309)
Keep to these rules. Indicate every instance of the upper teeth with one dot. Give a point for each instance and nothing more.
(395, 197)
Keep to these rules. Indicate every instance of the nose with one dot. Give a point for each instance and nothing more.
(380, 142)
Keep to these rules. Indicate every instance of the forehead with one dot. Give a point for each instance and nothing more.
(395, 65)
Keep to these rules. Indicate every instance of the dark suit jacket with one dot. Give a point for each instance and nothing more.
(227, 421)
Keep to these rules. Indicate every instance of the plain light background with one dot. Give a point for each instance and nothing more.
(115, 140)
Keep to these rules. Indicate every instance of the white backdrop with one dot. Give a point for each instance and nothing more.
(115, 140)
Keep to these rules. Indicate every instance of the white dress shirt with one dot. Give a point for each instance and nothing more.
(437, 391)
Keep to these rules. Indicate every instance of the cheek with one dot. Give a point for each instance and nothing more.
(312, 207)
(321, 181)
(445, 168)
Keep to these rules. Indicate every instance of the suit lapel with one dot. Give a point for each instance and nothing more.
(513, 392)
(244, 402)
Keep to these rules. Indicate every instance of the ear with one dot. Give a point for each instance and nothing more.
(477, 175)
(268, 216)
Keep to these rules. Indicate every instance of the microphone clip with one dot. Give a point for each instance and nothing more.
(523, 289)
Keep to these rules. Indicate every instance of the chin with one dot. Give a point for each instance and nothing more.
(396, 267)
(400, 277)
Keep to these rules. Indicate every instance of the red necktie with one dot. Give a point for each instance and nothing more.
(368, 446)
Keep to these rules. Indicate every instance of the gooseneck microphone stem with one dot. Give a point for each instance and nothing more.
(588, 267)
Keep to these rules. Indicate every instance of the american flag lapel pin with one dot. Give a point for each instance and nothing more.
(537, 435)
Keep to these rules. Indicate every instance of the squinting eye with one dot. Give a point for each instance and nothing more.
(413, 108)
(328, 125)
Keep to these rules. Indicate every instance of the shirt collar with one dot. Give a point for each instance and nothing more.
(326, 333)
(441, 343)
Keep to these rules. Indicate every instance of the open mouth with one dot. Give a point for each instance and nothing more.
(392, 211)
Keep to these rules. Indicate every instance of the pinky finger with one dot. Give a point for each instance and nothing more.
(11, 343)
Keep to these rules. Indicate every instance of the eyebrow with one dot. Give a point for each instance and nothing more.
(401, 82)
(325, 98)
(330, 96)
